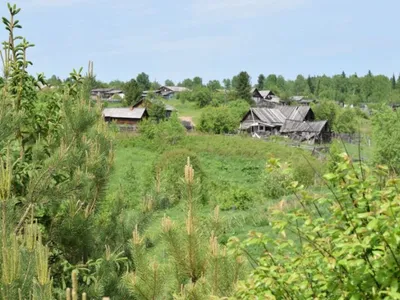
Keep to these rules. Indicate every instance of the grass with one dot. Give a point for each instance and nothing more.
(226, 161)
(187, 109)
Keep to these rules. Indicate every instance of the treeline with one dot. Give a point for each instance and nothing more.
(352, 89)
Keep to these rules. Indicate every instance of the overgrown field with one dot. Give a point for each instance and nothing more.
(229, 164)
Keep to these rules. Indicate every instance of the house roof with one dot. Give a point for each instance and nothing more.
(176, 88)
(266, 93)
(296, 126)
(277, 116)
(295, 113)
(114, 91)
(124, 113)
(269, 116)
(297, 98)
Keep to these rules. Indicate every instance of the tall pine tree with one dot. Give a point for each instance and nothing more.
(393, 82)
(260, 82)
(243, 87)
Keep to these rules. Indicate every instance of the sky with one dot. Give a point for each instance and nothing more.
(213, 39)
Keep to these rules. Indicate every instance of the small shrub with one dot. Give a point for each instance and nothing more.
(276, 179)
(236, 198)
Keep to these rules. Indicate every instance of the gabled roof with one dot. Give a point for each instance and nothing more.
(124, 113)
(297, 98)
(175, 88)
(269, 116)
(114, 91)
(295, 126)
(255, 93)
(295, 113)
(266, 93)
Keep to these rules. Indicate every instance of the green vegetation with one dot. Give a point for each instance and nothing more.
(344, 244)
(163, 214)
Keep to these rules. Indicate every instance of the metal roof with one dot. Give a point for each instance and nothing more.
(124, 113)
(176, 88)
(295, 126)
(265, 93)
(295, 113)
(297, 98)
(271, 116)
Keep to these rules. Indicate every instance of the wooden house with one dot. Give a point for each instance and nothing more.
(125, 115)
(107, 93)
(168, 92)
(285, 120)
(265, 98)
(147, 103)
(314, 132)
(301, 100)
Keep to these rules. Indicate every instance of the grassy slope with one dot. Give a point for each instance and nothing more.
(187, 109)
(229, 159)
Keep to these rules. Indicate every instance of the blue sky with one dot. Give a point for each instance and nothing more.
(213, 39)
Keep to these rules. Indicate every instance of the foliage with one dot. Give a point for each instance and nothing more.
(132, 92)
(143, 81)
(202, 96)
(218, 120)
(260, 82)
(340, 245)
(214, 85)
(236, 198)
(60, 153)
(346, 121)
(386, 125)
(157, 110)
(167, 173)
(162, 133)
(326, 110)
(238, 108)
(169, 82)
(276, 178)
(243, 87)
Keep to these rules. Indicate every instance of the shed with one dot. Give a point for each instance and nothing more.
(317, 131)
(125, 115)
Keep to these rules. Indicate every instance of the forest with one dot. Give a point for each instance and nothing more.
(350, 89)
(90, 212)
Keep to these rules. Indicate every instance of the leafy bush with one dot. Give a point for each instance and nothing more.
(239, 108)
(162, 134)
(386, 130)
(346, 121)
(236, 198)
(276, 178)
(344, 245)
(218, 120)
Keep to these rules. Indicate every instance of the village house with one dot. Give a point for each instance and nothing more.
(125, 116)
(301, 100)
(292, 121)
(107, 93)
(168, 92)
(145, 103)
(264, 98)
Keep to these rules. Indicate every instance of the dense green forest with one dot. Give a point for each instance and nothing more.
(351, 89)
(89, 212)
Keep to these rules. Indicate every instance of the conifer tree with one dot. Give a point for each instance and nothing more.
(394, 82)
(243, 87)
(260, 81)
